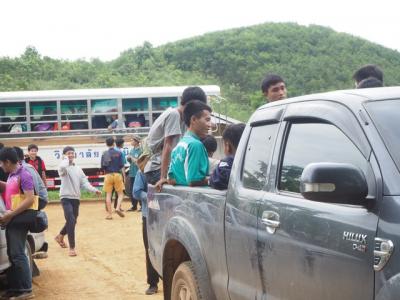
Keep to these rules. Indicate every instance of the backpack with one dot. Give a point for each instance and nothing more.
(105, 159)
(145, 156)
(40, 162)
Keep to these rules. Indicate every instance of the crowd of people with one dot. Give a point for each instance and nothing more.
(178, 150)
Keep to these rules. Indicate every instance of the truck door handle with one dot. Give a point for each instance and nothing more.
(271, 220)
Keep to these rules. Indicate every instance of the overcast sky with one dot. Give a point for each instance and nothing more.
(71, 29)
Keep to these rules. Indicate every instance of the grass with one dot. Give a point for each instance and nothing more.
(54, 195)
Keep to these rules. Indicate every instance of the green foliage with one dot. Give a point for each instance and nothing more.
(310, 58)
(55, 196)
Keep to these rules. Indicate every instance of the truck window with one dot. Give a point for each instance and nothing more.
(257, 156)
(315, 142)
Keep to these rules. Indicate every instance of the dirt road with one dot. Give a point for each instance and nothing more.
(110, 262)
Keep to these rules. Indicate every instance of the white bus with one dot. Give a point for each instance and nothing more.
(81, 118)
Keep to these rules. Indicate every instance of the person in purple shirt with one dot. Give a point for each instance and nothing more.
(19, 181)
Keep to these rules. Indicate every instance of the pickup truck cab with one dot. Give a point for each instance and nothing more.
(312, 209)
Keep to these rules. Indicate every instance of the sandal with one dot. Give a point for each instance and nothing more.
(120, 213)
(109, 217)
(60, 241)
(72, 252)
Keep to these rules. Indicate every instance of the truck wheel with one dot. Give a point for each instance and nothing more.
(184, 283)
(28, 253)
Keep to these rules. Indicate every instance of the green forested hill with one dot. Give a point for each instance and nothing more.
(311, 59)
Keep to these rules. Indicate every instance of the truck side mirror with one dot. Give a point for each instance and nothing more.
(334, 183)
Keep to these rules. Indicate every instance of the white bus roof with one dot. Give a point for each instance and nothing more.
(135, 92)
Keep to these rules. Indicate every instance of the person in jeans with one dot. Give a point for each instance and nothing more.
(112, 163)
(140, 192)
(134, 154)
(72, 180)
(19, 275)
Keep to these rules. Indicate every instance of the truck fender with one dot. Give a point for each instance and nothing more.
(180, 243)
(390, 290)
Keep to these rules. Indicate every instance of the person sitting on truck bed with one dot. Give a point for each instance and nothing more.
(164, 135)
(189, 159)
(273, 88)
(370, 82)
(231, 136)
(367, 71)
(210, 143)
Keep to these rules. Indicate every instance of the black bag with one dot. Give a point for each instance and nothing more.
(41, 222)
(30, 219)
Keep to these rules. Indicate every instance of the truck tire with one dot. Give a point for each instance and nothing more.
(184, 283)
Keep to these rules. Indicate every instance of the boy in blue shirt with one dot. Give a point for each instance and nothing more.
(231, 136)
(189, 159)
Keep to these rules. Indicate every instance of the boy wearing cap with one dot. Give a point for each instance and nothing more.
(72, 180)
(134, 154)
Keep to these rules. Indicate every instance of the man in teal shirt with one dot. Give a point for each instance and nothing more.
(134, 154)
(189, 159)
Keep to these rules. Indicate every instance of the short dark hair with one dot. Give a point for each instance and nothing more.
(193, 93)
(33, 146)
(370, 82)
(119, 142)
(270, 79)
(210, 143)
(20, 153)
(68, 148)
(194, 108)
(110, 141)
(233, 133)
(8, 153)
(368, 71)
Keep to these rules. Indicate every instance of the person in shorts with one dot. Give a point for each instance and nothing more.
(112, 163)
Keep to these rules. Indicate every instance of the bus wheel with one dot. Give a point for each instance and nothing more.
(184, 283)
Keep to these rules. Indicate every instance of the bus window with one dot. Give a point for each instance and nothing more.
(12, 117)
(164, 102)
(136, 119)
(155, 116)
(102, 110)
(135, 112)
(74, 115)
(103, 105)
(140, 104)
(43, 115)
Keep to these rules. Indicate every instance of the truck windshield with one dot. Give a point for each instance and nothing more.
(385, 115)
